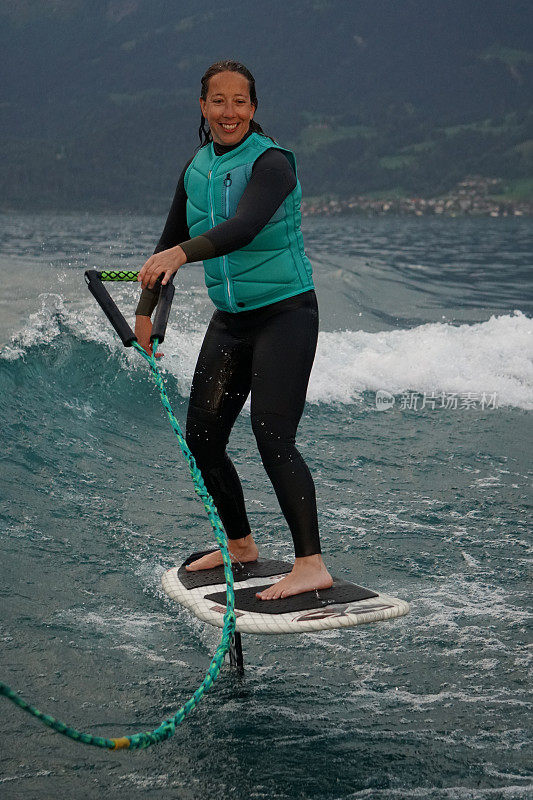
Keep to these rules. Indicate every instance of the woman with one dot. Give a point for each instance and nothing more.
(236, 208)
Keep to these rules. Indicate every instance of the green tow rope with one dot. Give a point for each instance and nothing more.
(168, 727)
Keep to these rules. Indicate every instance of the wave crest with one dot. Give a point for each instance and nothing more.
(492, 357)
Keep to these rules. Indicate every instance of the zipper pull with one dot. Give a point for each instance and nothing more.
(227, 180)
(209, 173)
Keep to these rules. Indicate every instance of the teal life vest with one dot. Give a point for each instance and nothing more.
(274, 265)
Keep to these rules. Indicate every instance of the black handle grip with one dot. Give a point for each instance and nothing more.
(109, 307)
(162, 312)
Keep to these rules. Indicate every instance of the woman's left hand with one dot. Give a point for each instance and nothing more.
(165, 263)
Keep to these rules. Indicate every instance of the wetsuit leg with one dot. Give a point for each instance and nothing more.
(220, 386)
(270, 350)
(283, 354)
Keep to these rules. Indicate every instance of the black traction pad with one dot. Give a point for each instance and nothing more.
(262, 568)
(342, 592)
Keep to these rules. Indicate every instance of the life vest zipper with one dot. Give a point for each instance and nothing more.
(212, 199)
(227, 184)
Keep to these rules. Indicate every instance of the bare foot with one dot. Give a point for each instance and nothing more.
(308, 573)
(241, 551)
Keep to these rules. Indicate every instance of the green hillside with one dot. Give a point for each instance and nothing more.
(100, 103)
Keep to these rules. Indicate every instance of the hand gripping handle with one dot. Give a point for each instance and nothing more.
(94, 278)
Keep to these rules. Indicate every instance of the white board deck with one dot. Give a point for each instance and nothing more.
(312, 611)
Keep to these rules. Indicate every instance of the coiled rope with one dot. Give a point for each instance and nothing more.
(168, 727)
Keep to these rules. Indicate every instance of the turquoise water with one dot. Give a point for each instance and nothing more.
(424, 497)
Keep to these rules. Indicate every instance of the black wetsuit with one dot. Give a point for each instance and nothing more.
(268, 351)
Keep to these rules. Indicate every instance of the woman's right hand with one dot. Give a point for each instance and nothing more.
(143, 330)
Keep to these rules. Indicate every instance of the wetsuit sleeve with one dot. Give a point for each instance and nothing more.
(174, 232)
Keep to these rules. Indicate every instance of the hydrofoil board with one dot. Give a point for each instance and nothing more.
(343, 605)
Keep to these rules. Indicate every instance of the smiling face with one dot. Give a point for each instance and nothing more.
(227, 107)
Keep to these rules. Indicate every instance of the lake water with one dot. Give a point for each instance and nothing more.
(418, 433)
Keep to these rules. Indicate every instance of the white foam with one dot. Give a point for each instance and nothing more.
(512, 791)
(492, 357)
(44, 326)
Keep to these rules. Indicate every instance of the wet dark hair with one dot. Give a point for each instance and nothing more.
(228, 66)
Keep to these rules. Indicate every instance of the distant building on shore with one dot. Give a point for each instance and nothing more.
(473, 196)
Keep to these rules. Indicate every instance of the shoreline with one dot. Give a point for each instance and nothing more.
(474, 196)
(471, 197)
(419, 207)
